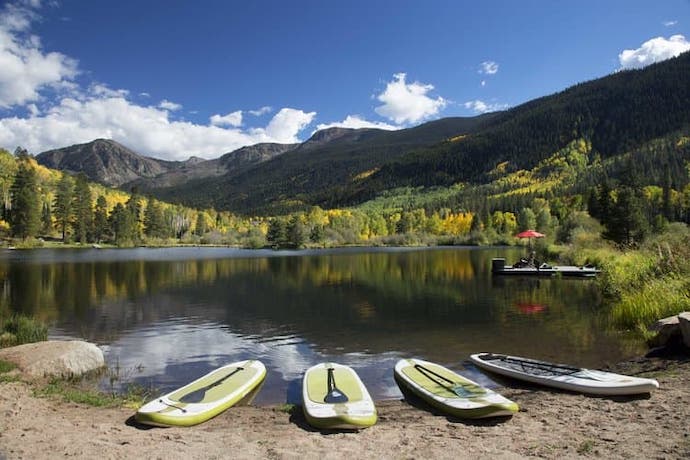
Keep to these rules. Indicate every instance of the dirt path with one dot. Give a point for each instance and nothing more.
(550, 424)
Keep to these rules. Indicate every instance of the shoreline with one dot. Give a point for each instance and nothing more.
(550, 424)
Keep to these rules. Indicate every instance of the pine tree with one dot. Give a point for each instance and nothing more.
(154, 224)
(626, 224)
(296, 232)
(100, 220)
(123, 225)
(136, 212)
(25, 217)
(83, 210)
(63, 204)
(277, 233)
(201, 226)
(46, 219)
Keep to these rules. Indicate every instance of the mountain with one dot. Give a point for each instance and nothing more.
(199, 169)
(112, 164)
(105, 161)
(318, 169)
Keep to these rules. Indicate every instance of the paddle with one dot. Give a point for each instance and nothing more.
(456, 388)
(334, 395)
(199, 395)
(533, 364)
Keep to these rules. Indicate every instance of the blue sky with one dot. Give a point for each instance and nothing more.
(173, 78)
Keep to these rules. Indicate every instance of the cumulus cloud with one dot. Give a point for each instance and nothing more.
(261, 111)
(483, 107)
(285, 125)
(488, 68)
(356, 122)
(26, 69)
(147, 130)
(77, 114)
(408, 102)
(169, 105)
(231, 119)
(655, 50)
(670, 23)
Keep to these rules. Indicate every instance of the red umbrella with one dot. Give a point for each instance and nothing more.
(530, 234)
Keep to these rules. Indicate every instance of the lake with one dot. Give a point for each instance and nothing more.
(166, 316)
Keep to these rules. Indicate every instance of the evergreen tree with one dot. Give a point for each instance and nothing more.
(296, 232)
(201, 226)
(63, 204)
(154, 223)
(100, 219)
(25, 217)
(46, 219)
(123, 225)
(136, 212)
(83, 210)
(277, 233)
(626, 224)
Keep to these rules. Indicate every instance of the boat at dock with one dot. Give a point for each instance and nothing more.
(499, 267)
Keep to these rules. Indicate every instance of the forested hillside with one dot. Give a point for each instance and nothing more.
(317, 170)
(616, 114)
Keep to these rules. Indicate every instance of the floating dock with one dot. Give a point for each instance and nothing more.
(499, 267)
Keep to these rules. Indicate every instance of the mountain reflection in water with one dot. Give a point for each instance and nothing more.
(167, 316)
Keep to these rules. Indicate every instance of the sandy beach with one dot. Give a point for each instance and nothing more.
(550, 424)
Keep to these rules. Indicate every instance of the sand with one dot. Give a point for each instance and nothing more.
(550, 424)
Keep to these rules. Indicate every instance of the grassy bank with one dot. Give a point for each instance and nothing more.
(20, 329)
(644, 284)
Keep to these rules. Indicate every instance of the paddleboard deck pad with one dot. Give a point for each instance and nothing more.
(563, 376)
(205, 397)
(449, 392)
(334, 397)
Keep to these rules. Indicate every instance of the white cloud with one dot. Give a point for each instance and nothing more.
(101, 90)
(483, 83)
(26, 69)
(655, 50)
(233, 119)
(261, 111)
(483, 107)
(356, 122)
(670, 23)
(168, 105)
(77, 114)
(147, 130)
(408, 103)
(488, 68)
(286, 124)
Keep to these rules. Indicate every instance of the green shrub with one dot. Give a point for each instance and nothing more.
(19, 329)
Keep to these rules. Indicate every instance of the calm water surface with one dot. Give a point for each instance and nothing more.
(167, 316)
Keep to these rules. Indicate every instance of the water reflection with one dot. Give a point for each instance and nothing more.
(174, 314)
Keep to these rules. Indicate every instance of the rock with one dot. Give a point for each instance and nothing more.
(55, 358)
(667, 330)
(684, 322)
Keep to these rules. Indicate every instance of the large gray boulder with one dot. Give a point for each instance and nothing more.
(684, 322)
(55, 358)
(667, 329)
